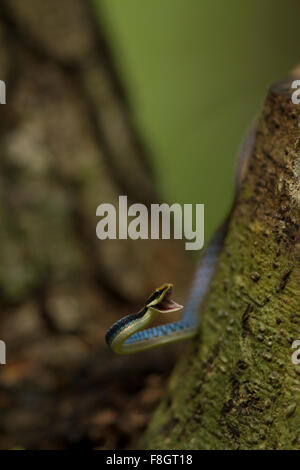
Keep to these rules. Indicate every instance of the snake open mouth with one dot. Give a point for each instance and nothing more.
(167, 304)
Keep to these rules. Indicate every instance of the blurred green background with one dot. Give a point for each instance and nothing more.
(196, 73)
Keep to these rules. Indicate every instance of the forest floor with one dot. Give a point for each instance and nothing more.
(62, 390)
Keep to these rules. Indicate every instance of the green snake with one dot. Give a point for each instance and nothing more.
(132, 333)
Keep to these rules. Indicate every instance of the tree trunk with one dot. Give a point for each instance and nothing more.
(68, 145)
(237, 387)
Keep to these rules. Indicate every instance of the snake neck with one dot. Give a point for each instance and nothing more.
(134, 336)
(126, 328)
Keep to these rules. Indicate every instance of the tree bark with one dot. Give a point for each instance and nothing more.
(237, 387)
(68, 145)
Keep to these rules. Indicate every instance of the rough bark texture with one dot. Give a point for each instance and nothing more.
(67, 145)
(237, 388)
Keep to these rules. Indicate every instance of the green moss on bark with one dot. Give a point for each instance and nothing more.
(236, 387)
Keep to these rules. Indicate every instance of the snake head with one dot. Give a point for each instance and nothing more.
(161, 300)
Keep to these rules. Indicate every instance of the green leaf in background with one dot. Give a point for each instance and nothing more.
(196, 73)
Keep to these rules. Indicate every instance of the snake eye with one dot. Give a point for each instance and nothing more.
(153, 297)
(159, 293)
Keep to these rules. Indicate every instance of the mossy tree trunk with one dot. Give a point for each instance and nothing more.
(237, 387)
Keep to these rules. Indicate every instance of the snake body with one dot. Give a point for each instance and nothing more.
(131, 333)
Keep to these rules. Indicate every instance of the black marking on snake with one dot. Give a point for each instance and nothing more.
(119, 325)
